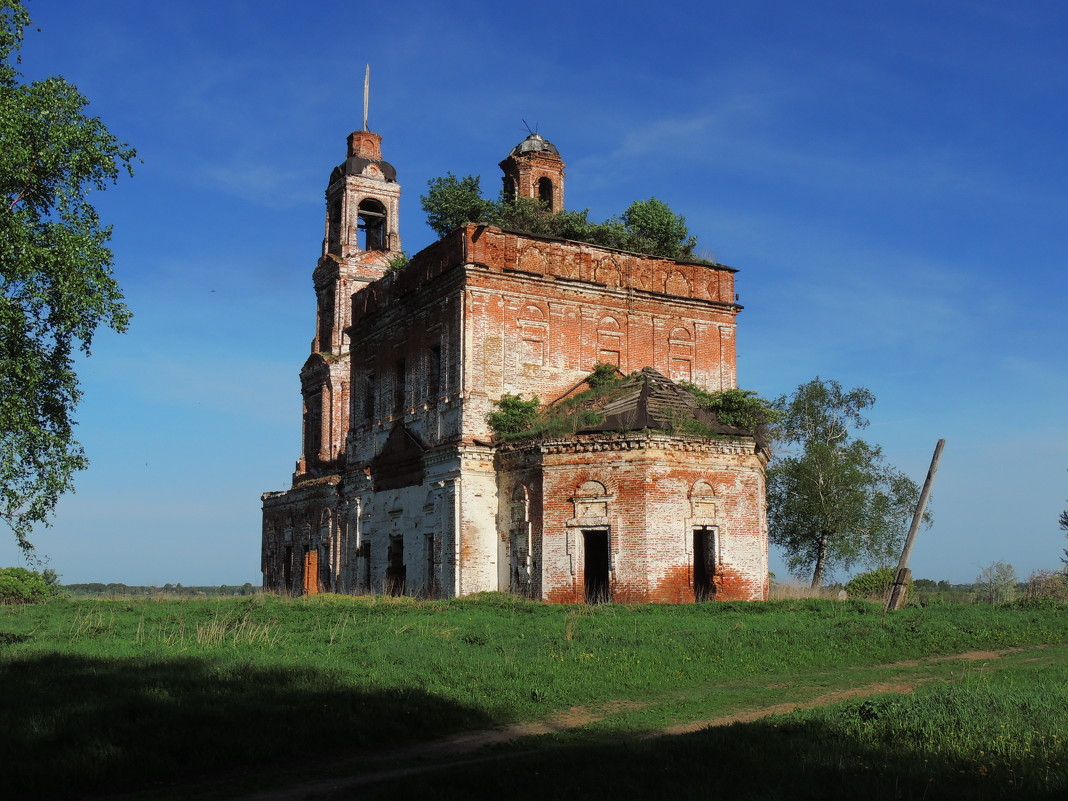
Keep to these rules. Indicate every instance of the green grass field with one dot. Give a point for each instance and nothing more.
(101, 698)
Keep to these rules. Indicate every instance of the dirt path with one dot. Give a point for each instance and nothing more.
(461, 749)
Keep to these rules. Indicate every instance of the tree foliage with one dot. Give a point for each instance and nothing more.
(655, 228)
(736, 407)
(603, 374)
(872, 584)
(1047, 585)
(55, 266)
(833, 501)
(647, 226)
(21, 586)
(451, 202)
(513, 414)
(997, 582)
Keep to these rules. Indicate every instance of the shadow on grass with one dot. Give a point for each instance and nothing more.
(76, 726)
(760, 760)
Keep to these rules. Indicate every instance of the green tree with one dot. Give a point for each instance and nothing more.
(451, 202)
(56, 272)
(21, 586)
(654, 228)
(834, 501)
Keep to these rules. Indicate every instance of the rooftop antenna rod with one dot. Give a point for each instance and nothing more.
(527, 126)
(366, 93)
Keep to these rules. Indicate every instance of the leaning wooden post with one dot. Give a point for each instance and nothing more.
(901, 581)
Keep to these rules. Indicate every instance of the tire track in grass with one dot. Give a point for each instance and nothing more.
(461, 749)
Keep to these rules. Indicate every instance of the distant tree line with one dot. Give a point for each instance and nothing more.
(996, 583)
(115, 589)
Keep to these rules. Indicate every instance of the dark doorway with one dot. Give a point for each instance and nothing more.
(595, 565)
(431, 577)
(287, 569)
(365, 575)
(704, 563)
(395, 570)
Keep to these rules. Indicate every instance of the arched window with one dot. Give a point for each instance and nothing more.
(545, 192)
(509, 188)
(313, 425)
(372, 225)
(333, 236)
(326, 319)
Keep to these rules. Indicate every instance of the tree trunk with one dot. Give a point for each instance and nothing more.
(821, 560)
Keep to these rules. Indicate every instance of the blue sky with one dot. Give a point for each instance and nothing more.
(890, 178)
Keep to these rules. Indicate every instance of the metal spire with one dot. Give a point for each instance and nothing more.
(366, 93)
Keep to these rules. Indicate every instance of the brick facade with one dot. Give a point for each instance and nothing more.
(401, 487)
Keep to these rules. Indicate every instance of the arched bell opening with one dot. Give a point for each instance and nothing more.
(545, 192)
(371, 225)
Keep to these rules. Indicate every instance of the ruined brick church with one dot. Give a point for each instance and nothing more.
(402, 486)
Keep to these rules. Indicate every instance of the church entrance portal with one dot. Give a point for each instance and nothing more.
(595, 565)
(704, 563)
(396, 573)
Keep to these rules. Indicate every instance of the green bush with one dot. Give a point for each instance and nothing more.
(21, 586)
(513, 414)
(603, 374)
(736, 407)
(873, 584)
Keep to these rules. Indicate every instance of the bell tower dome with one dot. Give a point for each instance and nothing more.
(534, 169)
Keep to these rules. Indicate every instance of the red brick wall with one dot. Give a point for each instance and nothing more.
(651, 511)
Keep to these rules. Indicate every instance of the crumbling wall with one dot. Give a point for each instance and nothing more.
(649, 492)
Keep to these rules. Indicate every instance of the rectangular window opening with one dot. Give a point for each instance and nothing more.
(369, 398)
(433, 372)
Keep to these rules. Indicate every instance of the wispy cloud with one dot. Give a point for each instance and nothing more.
(262, 184)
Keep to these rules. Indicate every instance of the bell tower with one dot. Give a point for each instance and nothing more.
(534, 169)
(361, 238)
(362, 211)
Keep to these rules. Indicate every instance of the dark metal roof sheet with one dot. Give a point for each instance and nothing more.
(355, 165)
(535, 144)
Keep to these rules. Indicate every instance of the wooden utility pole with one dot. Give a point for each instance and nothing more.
(901, 582)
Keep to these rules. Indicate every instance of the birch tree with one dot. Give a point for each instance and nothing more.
(832, 499)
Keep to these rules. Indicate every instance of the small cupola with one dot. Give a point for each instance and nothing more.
(534, 169)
